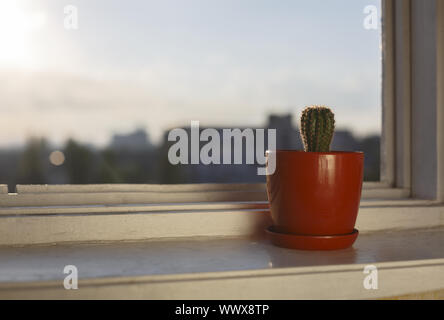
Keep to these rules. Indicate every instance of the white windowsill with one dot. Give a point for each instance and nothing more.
(408, 262)
(185, 249)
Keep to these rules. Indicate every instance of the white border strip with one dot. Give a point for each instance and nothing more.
(195, 187)
(97, 188)
(314, 282)
(115, 198)
(185, 207)
(82, 196)
(87, 227)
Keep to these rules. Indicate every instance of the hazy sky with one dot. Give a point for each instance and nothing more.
(160, 64)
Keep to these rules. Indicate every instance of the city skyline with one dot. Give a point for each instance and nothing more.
(132, 158)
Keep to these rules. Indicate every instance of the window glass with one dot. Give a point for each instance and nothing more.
(90, 89)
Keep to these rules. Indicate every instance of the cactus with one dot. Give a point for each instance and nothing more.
(317, 128)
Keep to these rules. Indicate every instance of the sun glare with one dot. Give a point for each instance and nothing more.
(16, 26)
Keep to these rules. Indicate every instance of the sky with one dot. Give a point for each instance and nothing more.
(161, 64)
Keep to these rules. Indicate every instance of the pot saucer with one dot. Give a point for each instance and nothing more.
(307, 242)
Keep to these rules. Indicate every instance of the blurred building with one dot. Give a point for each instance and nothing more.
(287, 138)
(132, 158)
(137, 140)
(343, 140)
(287, 135)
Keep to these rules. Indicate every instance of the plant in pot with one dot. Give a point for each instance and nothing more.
(314, 194)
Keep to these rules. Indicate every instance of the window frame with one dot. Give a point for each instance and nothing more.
(396, 144)
(396, 96)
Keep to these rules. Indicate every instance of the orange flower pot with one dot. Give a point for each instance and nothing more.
(314, 198)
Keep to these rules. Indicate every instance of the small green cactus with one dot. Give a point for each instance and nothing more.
(317, 128)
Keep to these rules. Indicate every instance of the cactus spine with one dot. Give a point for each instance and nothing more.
(317, 128)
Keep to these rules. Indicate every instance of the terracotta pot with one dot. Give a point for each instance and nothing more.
(315, 194)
